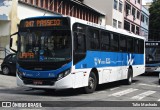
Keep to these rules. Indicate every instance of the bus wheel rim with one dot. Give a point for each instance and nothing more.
(130, 78)
(91, 83)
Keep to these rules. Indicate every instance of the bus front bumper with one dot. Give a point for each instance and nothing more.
(152, 69)
(63, 83)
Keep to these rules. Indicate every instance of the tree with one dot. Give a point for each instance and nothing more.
(154, 24)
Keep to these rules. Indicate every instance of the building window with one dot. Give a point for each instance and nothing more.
(35, 2)
(120, 6)
(139, 1)
(126, 25)
(138, 14)
(133, 28)
(142, 17)
(128, 9)
(134, 12)
(41, 2)
(115, 4)
(114, 23)
(119, 24)
(147, 21)
(137, 30)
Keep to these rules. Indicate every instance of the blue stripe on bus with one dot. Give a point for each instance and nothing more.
(109, 59)
(44, 74)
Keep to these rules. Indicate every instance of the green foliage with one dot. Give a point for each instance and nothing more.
(154, 24)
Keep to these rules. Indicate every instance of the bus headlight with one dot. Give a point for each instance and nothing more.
(63, 74)
(20, 74)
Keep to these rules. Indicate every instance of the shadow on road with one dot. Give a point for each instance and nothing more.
(150, 74)
(59, 93)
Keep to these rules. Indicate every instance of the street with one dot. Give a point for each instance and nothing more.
(143, 88)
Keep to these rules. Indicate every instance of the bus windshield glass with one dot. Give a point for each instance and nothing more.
(45, 45)
(152, 52)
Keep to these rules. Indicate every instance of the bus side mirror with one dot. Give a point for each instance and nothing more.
(11, 40)
(12, 37)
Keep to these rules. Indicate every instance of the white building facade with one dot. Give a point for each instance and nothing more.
(112, 9)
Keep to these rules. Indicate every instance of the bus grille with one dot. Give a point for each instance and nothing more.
(30, 81)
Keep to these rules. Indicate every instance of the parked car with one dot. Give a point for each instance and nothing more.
(8, 65)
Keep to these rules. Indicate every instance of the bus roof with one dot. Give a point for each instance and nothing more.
(38, 17)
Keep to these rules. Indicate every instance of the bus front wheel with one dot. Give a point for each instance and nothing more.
(92, 83)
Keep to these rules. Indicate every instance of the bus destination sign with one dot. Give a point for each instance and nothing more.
(152, 44)
(43, 23)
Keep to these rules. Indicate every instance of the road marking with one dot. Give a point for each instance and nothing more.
(114, 88)
(100, 92)
(118, 94)
(148, 85)
(143, 95)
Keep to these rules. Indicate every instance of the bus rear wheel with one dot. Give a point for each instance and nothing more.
(92, 83)
(128, 81)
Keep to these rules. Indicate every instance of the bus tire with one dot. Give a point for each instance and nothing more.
(92, 83)
(128, 81)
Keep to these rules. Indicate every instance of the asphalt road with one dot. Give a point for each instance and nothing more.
(144, 88)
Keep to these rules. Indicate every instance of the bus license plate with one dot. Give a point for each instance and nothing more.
(37, 82)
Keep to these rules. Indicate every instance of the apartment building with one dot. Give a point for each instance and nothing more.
(132, 16)
(125, 14)
(112, 9)
(74, 8)
(144, 22)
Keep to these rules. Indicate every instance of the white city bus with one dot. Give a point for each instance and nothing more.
(59, 52)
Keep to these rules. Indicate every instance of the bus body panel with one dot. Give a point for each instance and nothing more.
(64, 83)
(75, 79)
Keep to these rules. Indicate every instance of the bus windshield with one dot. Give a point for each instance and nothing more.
(45, 45)
(152, 55)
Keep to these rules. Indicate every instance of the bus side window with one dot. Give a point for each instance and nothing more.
(122, 43)
(130, 45)
(105, 41)
(141, 46)
(79, 43)
(114, 42)
(93, 36)
(136, 44)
